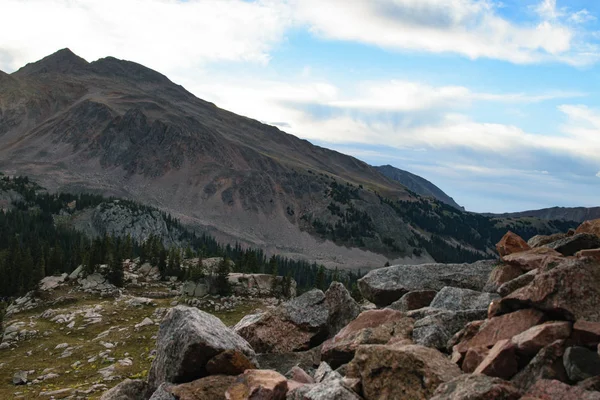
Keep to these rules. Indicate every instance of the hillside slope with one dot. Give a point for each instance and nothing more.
(417, 184)
(115, 127)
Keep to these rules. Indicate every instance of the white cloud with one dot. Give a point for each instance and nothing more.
(598, 174)
(162, 34)
(581, 17)
(468, 27)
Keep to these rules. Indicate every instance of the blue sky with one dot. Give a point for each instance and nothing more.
(496, 102)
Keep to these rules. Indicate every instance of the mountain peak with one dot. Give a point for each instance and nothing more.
(114, 67)
(64, 61)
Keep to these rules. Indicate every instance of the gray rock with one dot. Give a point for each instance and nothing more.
(187, 339)
(572, 244)
(76, 273)
(308, 309)
(283, 362)
(385, 285)
(581, 363)
(129, 389)
(52, 282)
(163, 393)
(457, 299)
(540, 240)
(437, 328)
(517, 283)
(194, 289)
(341, 306)
(324, 373)
(328, 390)
(20, 378)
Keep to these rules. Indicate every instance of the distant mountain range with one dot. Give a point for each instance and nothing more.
(417, 184)
(118, 128)
(578, 214)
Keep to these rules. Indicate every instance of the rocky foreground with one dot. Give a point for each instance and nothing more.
(525, 327)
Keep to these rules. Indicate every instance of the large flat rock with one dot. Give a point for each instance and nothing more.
(386, 285)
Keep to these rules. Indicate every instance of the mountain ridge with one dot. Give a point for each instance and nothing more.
(417, 184)
(118, 128)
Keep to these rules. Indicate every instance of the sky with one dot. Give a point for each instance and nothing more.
(495, 102)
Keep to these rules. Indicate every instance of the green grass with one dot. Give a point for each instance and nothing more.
(136, 343)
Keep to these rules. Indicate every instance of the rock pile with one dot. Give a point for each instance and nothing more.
(525, 327)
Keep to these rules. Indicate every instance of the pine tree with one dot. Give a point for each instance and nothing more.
(27, 267)
(38, 274)
(196, 272)
(127, 248)
(162, 263)
(222, 278)
(116, 275)
(320, 278)
(274, 273)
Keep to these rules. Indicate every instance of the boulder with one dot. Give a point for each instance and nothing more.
(540, 240)
(258, 285)
(194, 289)
(586, 333)
(476, 387)
(164, 393)
(592, 384)
(301, 323)
(517, 283)
(413, 300)
(207, 388)
(581, 363)
(342, 308)
(20, 378)
(257, 384)
(547, 364)
(370, 327)
(229, 362)
(386, 285)
(502, 327)
(500, 362)
(129, 389)
(537, 258)
(473, 357)
(534, 339)
(590, 226)
(297, 374)
(52, 282)
(457, 299)
(437, 328)
(511, 243)
(545, 389)
(400, 372)
(76, 273)
(500, 275)
(187, 340)
(325, 373)
(572, 244)
(329, 390)
(571, 290)
(283, 362)
(589, 253)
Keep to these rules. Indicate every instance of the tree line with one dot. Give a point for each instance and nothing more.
(34, 245)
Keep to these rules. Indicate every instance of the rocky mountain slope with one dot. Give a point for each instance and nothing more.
(118, 128)
(578, 214)
(417, 184)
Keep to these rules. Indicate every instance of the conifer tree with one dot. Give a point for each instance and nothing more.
(222, 278)
(274, 273)
(320, 278)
